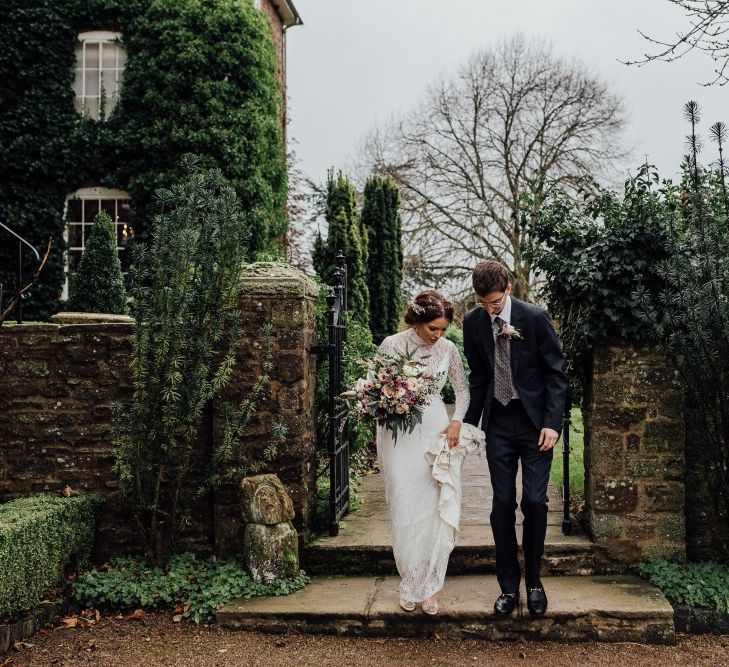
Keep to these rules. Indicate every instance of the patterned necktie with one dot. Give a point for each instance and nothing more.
(503, 387)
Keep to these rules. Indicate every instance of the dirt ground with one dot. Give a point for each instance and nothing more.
(155, 640)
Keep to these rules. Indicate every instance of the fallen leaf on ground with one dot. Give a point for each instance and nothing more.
(20, 645)
(177, 618)
(70, 621)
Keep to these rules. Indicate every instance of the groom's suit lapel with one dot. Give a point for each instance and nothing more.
(486, 335)
(517, 321)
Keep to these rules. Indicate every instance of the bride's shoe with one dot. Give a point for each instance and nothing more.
(407, 605)
(431, 608)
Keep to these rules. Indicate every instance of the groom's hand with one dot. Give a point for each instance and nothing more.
(547, 439)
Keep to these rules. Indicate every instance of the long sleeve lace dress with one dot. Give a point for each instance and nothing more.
(421, 541)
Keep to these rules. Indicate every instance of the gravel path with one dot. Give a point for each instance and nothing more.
(156, 640)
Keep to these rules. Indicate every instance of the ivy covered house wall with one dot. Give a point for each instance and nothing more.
(102, 97)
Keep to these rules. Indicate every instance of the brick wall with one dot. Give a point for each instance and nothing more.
(57, 383)
(279, 41)
(634, 457)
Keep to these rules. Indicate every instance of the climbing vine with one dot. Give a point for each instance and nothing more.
(200, 78)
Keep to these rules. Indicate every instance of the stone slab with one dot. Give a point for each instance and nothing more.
(620, 608)
(363, 545)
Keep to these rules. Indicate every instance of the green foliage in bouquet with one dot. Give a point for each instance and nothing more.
(394, 393)
(98, 285)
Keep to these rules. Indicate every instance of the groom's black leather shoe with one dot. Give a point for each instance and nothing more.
(536, 601)
(506, 603)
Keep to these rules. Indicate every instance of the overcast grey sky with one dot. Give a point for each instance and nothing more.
(353, 63)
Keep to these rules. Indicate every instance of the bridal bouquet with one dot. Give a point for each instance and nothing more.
(394, 394)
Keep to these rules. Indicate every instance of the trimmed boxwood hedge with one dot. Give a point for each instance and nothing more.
(39, 536)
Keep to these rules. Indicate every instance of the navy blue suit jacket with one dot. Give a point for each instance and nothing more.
(537, 365)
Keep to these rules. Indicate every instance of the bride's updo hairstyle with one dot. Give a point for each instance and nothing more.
(426, 307)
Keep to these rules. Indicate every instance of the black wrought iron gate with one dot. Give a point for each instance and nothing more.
(337, 442)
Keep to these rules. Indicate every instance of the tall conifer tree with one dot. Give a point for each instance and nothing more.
(381, 219)
(345, 235)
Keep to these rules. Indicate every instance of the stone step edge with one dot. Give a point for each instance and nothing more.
(367, 606)
(554, 547)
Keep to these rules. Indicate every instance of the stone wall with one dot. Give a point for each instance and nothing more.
(634, 458)
(57, 382)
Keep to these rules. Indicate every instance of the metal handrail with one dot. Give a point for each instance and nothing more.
(21, 240)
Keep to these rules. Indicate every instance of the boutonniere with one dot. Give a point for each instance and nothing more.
(507, 331)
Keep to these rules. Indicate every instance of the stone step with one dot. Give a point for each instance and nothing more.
(364, 547)
(566, 555)
(595, 608)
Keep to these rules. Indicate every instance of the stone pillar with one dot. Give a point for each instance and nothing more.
(634, 458)
(285, 298)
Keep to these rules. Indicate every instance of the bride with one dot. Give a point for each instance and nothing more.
(421, 540)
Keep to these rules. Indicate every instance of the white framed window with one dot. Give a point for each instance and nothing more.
(100, 62)
(82, 207)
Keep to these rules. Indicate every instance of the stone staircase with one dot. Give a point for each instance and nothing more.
(363, 543)
(362, 598)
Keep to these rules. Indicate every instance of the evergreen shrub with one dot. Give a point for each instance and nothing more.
(381, 219)
(39, 536)
(186, 293)
(98, 285)
(346, 234)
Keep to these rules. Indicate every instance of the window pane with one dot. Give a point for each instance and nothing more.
(75, 238)
(79, 54)
(92, 83)
(108, 55)
(109, 207)
(78, 83)
(74, 256)
(122, 57)
(91, 107)
(91, 208)
(73, 213)
(124, 210)
(108, 81)
(92, 56)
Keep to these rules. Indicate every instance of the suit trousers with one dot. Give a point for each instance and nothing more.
(512, 437)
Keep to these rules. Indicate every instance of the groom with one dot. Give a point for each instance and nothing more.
(518, 392)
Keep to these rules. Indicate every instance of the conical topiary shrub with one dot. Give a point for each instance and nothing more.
(98, 286)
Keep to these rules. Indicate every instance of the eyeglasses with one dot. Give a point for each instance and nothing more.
(491, 304)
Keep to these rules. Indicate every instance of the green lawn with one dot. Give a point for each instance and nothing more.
(577, 465)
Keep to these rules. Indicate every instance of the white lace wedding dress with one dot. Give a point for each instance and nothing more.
(421, 540)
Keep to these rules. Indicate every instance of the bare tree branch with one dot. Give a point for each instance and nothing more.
(512, 120)
(708, 33)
